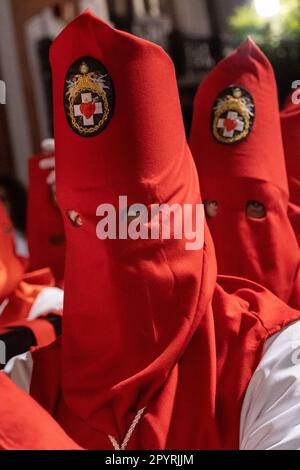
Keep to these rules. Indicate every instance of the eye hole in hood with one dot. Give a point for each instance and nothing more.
(211, 209)
(256, 210)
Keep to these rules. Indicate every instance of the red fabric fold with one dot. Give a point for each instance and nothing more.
(21, 300)
(24, 425)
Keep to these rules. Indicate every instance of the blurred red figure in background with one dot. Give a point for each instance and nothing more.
(45, 229)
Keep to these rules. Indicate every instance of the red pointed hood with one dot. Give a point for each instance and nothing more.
(254, 155)
(237, 145)
(131, 307)
(140, 326)
(24, 425)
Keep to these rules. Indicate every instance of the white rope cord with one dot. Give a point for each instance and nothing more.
(130, 431)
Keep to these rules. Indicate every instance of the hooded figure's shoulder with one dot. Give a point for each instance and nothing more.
(270, 418)
(242, 301)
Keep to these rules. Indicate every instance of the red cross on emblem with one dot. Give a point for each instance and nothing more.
(88, 109)
(231, 124)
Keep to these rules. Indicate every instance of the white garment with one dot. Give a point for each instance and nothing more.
(270, 418)
(19, 369)
(49, 299)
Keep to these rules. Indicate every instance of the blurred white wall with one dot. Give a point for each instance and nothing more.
(39, 26)
(99, 7)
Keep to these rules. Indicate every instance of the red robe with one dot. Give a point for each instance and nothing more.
(24, 425)
(150, 334)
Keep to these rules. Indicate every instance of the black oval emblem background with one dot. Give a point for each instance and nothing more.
(88, 97)
(233, 115)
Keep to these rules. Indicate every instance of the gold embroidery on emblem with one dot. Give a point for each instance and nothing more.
(87, 83)
(238, 111)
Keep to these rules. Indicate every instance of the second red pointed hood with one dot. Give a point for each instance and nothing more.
(237, 145)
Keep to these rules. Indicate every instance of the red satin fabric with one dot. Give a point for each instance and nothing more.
(24, 425)
(45, 231)
(149, 327)
(263, 250)
(290, 124)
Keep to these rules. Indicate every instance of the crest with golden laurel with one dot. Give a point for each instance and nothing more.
(89, 97)
(233, 115)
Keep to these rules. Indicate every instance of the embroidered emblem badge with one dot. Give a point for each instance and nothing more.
(88, 97)
(233, 115)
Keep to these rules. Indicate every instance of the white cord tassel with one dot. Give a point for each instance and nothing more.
(128, 436)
